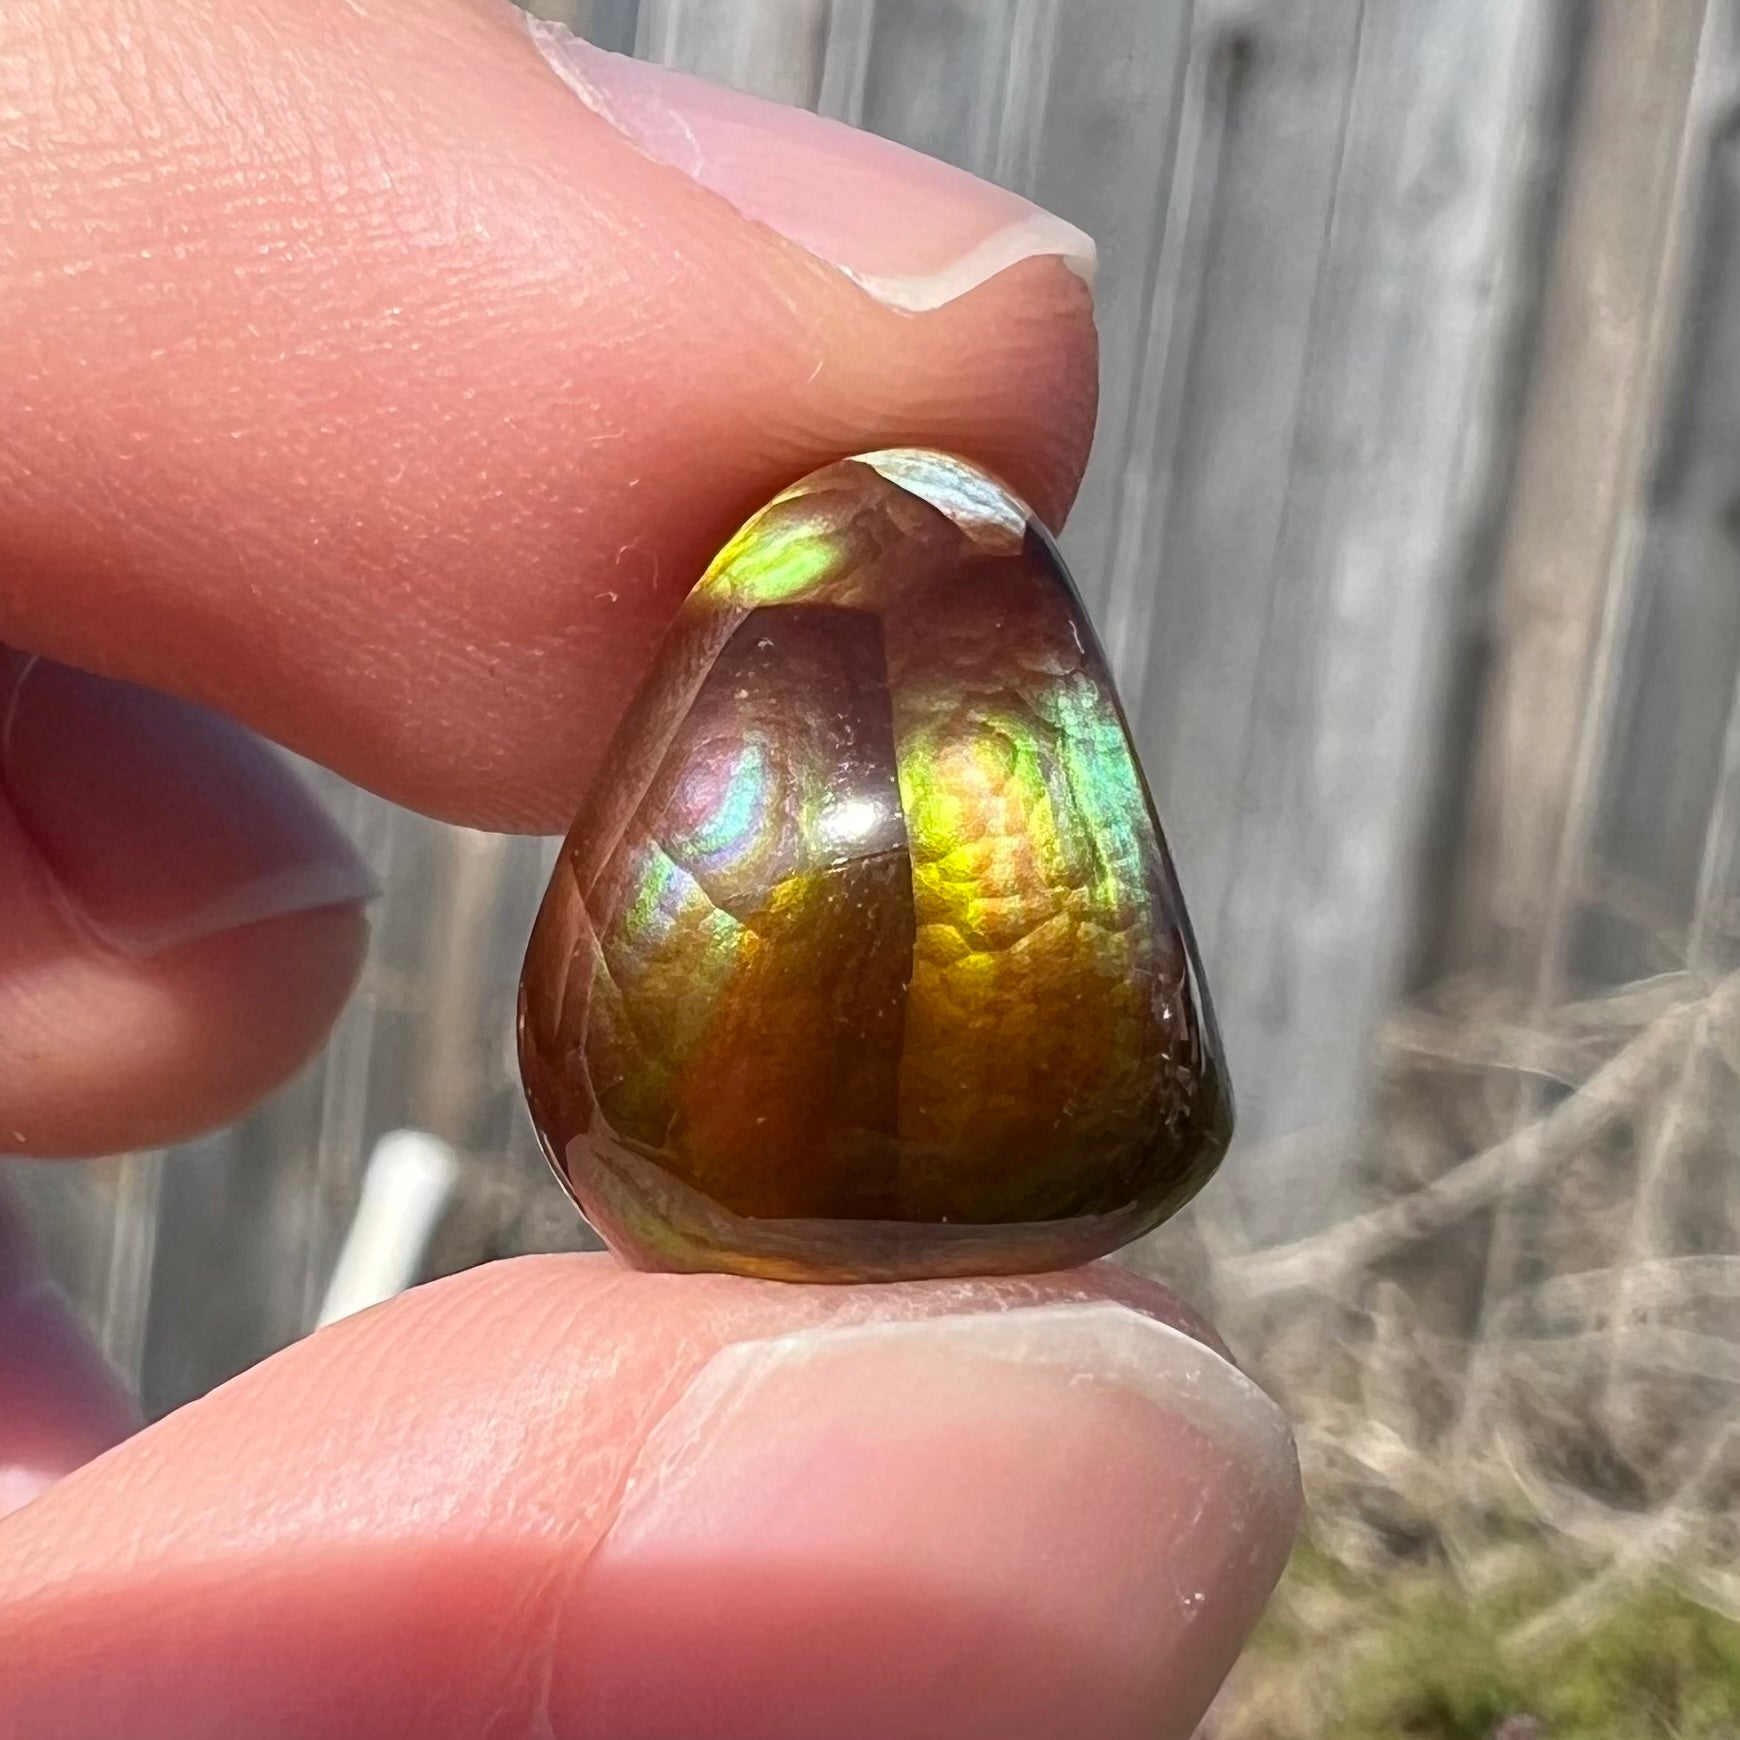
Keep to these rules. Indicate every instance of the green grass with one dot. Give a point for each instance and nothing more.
(1412, 1657)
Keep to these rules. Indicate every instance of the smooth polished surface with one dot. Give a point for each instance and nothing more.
(865, 958)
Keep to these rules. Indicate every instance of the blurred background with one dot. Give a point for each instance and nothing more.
(1413, 530)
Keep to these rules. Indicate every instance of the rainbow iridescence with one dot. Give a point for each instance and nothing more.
(865, 959)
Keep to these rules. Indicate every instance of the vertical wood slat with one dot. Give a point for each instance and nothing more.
(1118, 113)
(846, 60)
(1016, 138)
(1155, 422)
(1326, 488)
(1567, 555)
(1665, 770)
(1208, 564)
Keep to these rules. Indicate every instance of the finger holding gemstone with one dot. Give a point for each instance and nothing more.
(865, 958)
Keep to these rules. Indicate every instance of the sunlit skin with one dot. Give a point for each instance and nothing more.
(865, 958)
(362, 385)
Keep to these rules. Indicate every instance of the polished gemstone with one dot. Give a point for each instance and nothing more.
(865, 958)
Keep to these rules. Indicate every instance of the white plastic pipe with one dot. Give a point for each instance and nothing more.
(406, 1186)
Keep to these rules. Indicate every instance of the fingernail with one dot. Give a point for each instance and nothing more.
(160, 823)
(1056, 1520)
(60, 1404)
(913, 232)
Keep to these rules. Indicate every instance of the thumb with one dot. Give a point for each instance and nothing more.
(553, 1498)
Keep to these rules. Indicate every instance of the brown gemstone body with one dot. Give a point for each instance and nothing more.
(865, 958)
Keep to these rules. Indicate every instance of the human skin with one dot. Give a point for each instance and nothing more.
(365, 389)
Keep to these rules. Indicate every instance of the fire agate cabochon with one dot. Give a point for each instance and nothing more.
(865, 959)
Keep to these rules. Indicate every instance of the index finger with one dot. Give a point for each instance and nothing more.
(360, 379)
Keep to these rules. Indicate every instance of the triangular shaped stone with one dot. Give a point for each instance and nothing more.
(865, 958)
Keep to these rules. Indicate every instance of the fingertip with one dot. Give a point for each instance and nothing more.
(420, 493)
(60, 1403)
(64, 1405)
(124, 1054)
(102, 1053)
(184, 920)
(1007, 376)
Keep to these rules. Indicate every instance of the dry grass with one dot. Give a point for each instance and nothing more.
(1514, 1373)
